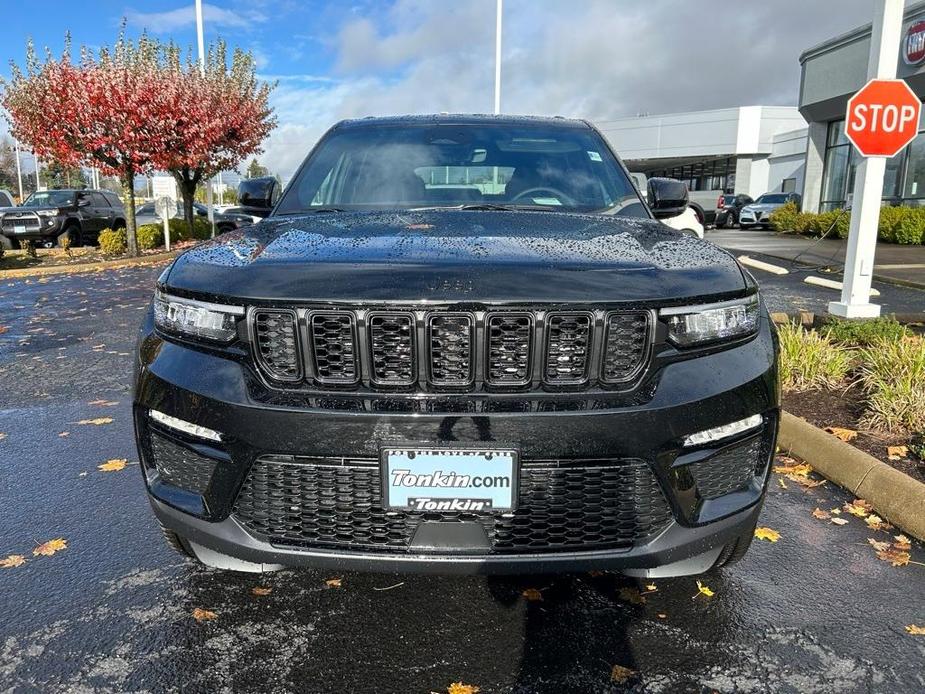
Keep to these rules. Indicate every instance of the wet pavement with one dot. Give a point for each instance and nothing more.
(814, 612)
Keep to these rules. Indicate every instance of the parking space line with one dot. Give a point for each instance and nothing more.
(832, 284)
(760, 265)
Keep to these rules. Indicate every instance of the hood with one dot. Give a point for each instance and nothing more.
(763, 207)
(456, 256)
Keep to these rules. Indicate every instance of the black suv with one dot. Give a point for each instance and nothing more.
(47, 217)
(459, 344)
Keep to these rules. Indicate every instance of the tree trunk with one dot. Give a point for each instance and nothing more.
(187, 181)
(128, 193)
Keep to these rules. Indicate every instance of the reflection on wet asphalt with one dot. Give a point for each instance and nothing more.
(816, 611)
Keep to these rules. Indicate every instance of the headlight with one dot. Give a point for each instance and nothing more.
(196, 318)
(694, 325)
(47, 213)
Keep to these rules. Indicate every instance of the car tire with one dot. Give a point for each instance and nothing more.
(735, 549)
(729, 222)
(71, 231)
(176, 542)
(701, 217)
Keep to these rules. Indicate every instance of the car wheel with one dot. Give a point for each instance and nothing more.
(72, 232)
(729, 221)
(734, 549)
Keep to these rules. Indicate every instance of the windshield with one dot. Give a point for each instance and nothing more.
(451, 165)
(50, 198)
(771, 199)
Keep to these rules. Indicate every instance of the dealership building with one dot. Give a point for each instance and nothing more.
(758, 149)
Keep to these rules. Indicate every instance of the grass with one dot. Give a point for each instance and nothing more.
(810, 360)
(863, 333)
(893, 374)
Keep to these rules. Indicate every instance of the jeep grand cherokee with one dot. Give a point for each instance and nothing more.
(459, 344)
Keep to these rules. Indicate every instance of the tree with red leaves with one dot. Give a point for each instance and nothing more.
(114, 111)
(223, 119)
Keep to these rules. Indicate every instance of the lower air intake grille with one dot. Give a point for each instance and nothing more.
(568, 347)
(310, 502)
(180, 466)
(391, 339)
(731, 470)
(626, 340)
(277, 347)
(334, 347)
(510, 348)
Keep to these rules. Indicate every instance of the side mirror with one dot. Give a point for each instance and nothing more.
(257, 196)
(667, 197)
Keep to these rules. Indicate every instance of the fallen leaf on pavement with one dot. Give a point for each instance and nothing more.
(533, 595)
(201, 615)
(840, 521)
(46, 549)
(112, 465)
(257, 590)
(897, 452)
(894, 556)
(875, 522)
(631, 595)
(64, 434)
(767, 534)
(460, 688)
(703, 590)
(103, 403)
(902, 542)
(96, 422)
(915, 631)
(780, 481)
(858, 507)
(820, 514)
(651, 588)
(620, 674)
(878, 545)
(12, 561)
(333, 582)
(662, 615)
(845, 435)
(799, 469)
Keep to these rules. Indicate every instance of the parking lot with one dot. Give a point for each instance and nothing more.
(116, 610)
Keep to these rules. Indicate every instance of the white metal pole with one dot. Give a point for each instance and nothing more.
(37, 165)
(868, 182)
(499, 11)
(202, 70)
(19, 172)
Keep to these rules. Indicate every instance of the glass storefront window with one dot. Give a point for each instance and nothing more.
(836, 173)
(914, 186)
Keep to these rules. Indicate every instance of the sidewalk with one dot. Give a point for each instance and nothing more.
(893, 263)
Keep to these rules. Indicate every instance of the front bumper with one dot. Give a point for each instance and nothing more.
(683, 397)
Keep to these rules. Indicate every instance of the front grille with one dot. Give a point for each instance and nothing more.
(391, 340)
(489, 350)
(29, 220)
(180, 466)
(730, 470)
(586, 505)
(334, 353)
(510, 343)
(277, 345)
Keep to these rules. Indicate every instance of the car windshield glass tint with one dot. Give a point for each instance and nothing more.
(771, 199)
(50, 198)
(501, 165)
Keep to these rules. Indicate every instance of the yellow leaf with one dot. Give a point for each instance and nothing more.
(12, 561)
(799, 469)
(533, 595)
(620, 674)
(96, 422)
(631, 595)
(333, 582)
(858, 507)
(875, 522)
(201, 615)
(915, 631)
(840, 521)
(47, 549)
(844, 434)
(257, 590)
(902, 542)
(703, 590)
(820, 514)
(460, 688)
(112, 465)
(897, 452)
(103, 403)
(895, 557)
(878, 545)
(780, 481)
(651, 587)
(767, 534)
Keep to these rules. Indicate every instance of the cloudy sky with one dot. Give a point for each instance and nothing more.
(596, 59)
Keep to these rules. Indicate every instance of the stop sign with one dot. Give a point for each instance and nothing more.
(883, 117)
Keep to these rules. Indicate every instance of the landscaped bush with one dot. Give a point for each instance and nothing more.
(785, 218)
(862, 333)
(150, 236)
(904, 225)
(179, 229)
(113, 242)
(893, 374)
(911, 227)
(809, 360)
(835, 223)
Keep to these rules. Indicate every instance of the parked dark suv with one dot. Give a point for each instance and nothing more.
(459, 344)
(47, 217)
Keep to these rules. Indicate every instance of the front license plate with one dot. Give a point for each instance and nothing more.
(19, 229)
(449, 479)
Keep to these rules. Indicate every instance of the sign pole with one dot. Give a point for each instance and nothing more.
(868, 182)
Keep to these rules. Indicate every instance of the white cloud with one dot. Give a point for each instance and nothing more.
(182, 17)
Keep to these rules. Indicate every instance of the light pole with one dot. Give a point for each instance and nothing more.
(18, 172)
(499, 10)
(202, 70)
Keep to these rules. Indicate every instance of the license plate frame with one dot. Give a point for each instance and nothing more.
(19, 228)
(421, 460)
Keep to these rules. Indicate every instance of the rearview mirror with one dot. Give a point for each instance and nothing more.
(258, 196)
(667, 197)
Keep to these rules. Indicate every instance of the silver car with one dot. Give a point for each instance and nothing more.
(758, 213)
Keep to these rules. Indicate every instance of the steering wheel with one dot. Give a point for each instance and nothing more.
(556, 193)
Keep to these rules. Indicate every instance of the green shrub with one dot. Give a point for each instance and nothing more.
(810, 361)
(784, 218)
(890, 217)
(180, 231)
(804, 223)
(893, 374)
(150, 236)
(835, 222)
(862, 333)
(113, 242)
(911, 227)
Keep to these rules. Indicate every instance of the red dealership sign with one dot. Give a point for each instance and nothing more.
(882, 118)
(914, 44)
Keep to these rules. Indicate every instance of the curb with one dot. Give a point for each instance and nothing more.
(20, 273)
(895, 496)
